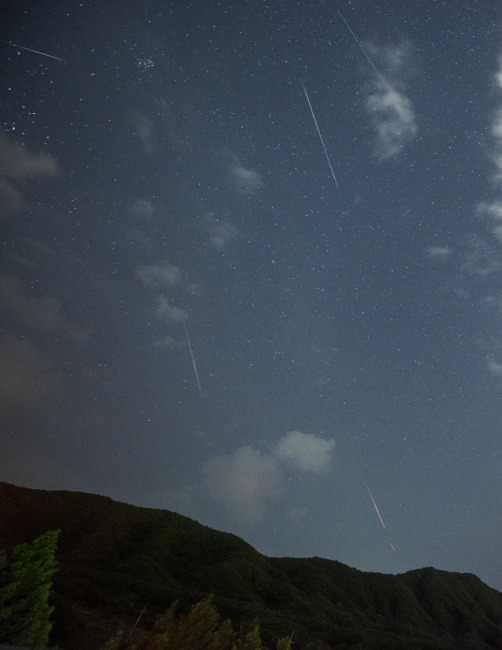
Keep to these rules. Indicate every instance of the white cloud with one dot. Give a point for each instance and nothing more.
(143, 129)
(440, 253)
(393, 119)
(221, 233)
(246, 480)
(243, 481)
(159, 275)
(142, 208)
(483, 256)
(391, 109)
(244, 181)
(495, 368)
(305, 451)
(493, 210)
(167, 312)
(18, 163)
(169, 343)
(498, 74)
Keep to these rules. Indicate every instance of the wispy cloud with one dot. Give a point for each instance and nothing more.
(246, 480)
(244, 181)
(34, 313)
(484, 253)
(159, 275)
(393, 120)
(28, 379)
(17, 164)
(142, 208)
(169, 343)
(143, 129)
(167, 312)
(221, 233)
(392, 111)
(440, 253)
(495, 368)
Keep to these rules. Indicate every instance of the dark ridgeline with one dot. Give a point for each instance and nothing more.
(114, 558)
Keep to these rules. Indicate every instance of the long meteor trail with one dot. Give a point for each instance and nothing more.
(319, 133)
(193, 358)
(363, 50)
(28, 49)
(380, 517)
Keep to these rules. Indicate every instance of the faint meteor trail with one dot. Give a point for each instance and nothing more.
(28, 49)
(380, 517)
(193, 358)
(319, 132)
(363, 50)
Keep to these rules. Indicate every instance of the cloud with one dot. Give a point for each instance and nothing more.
(167, 312)
(143, 129)
(244, 181)
(221, 233)
(393, 119)
(391, 109)
(159, 275)
(494, 212)
(305, 451)
(247, 480)
(495, 368)
(243, 481)
(36, 313)
(483, 255)
(18, 163)
(27, 378)
(142, 208)
(169, 343)
(439, 253)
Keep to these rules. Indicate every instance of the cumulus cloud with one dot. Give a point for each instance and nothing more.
(243, 481)
(305, 451)
(17, 164)
(247, 480)
(244, 181)
(159, 275)
(167, 312)
(393, 120)
(221, 233)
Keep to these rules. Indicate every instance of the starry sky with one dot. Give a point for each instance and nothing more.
(196, 314)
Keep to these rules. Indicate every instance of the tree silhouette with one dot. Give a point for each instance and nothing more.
(25, 583)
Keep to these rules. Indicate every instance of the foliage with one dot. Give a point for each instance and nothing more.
(25, 583)
(200, 629)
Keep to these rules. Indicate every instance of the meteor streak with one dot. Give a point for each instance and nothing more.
(380, 517)
(319, 133)
(363, 50)
(193, 358)
(28, 49)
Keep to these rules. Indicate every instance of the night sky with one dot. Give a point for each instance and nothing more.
(164, 186)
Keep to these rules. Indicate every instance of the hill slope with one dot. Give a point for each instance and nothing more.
(114, 558)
